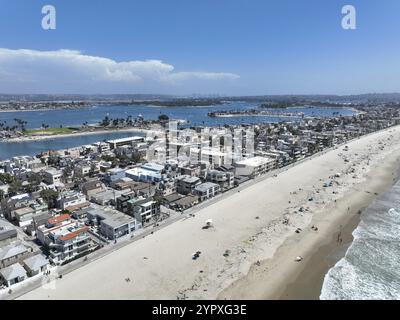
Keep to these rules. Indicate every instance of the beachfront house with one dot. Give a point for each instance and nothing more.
(186, 184)
(12, 275)
(112, 223)
(224, 179)
(144, 210)
(129, 141)
(64, 238)
(180, 202)
(36, 264)
(13, 253)
(206, 190)
(255, 166)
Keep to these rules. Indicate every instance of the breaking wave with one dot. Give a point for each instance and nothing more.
(371, 266)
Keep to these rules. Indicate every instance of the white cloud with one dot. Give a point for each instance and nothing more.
(66, 71)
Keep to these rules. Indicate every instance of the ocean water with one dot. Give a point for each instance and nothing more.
(32, 148)
(194, 115)
(93, 115)
(370, 268)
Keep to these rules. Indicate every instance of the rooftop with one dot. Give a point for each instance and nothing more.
(129, 139)
(152, 166)
(255, 161)
(58, 219)
(73, 234)
(36, 262)
(111, 217)
(11, 251)
(53, 171)
(206, 186)
(12, 272)
(7, 230)
(189, 179)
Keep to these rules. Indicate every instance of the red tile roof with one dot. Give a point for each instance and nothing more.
(73, 234)
(58, 219)
(78, 206)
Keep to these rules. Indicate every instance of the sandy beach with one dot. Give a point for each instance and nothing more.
(83, 133)
(251, 251)
(320, 250)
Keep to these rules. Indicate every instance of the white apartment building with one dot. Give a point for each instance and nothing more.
(52, 176)
(71, 200)
(254, 166)
(64, 238)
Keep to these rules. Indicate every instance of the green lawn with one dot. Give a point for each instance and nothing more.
(50, 131)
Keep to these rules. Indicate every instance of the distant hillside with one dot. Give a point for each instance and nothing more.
(167, 100)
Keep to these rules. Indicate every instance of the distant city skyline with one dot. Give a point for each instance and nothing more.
(207, 48)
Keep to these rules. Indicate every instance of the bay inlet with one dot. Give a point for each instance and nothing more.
(193, 115)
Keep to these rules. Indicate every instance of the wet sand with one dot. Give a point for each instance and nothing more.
(303, 280)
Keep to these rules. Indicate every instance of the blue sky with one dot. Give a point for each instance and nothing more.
(235, 47)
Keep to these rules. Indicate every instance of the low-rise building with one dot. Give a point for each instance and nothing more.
(36, 264)
(108, 196)
(82, 169)
(25, 215)
(8, 233)
(113, 175)
(122, 202)
(129, 141)
(224, 179)
(185, 202)
(149, 172)
(144, 210)
(13, 253)
(192, 170)
(206, 190)
(186, 184)
(37, 221)
(254, 166)
(72, 200)
(12, 274)
(112, 223)
(52, 176)
(91, 188)
(101, 146)
(64, 238)
(138, 187)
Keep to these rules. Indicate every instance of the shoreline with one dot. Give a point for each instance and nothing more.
(40, 110)
(69, 135)
(303, 281)
(250, 223)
